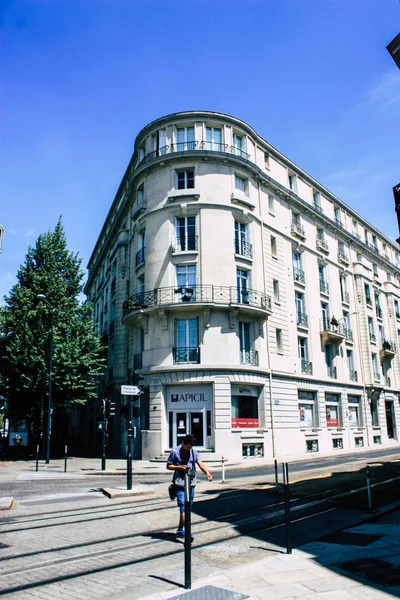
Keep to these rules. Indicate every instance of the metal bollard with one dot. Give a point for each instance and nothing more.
(223, 470)
(37, 457)
(276, 475)
(188, 534)
(287, 507)
(65, 458)
(369, 491)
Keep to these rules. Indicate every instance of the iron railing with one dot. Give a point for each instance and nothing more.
(298, 275)
(322, 245)
(243, 248)
(302, 319)
(197, 293)
(297, 229)
(188, 354)
(318, 207)
(238, 152)
(388, 346)
(185, 243)
(323, 286)
(249, 357)
(353, 375)
(184, 146)
(342, 257)
(332, 326)
(306, 367)
(213, 146)
(332, 372)
(140, 255)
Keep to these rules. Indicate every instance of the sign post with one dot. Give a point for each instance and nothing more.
(130, 390)
(188, 533)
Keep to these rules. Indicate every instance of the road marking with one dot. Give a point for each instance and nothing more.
(59, 496)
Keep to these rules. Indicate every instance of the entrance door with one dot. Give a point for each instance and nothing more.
(389, 419)
(197, 427)
(181, 427)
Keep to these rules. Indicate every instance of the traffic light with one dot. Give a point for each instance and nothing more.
(111, 408)
(100, 425)
(135, 411)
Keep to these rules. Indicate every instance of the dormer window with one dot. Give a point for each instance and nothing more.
(292, 182)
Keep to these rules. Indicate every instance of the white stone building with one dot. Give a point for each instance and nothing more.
(261, 311)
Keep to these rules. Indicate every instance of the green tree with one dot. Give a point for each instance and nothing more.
(25, 325)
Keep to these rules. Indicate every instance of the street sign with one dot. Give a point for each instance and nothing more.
(131, 390)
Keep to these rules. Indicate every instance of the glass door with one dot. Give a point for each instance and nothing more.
(197, 427)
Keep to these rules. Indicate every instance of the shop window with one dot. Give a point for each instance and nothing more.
(337, 443)
(307, 409)
(354, 404)
(332, 408)
(312, 445)
(244, 411)
(256, 450)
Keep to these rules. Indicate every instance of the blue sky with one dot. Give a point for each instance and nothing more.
(80, 78)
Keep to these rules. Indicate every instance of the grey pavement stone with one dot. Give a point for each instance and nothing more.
(280, 592)
(335, 582)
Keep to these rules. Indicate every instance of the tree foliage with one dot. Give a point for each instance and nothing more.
(25, 332)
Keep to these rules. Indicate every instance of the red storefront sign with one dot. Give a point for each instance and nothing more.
(244, 423)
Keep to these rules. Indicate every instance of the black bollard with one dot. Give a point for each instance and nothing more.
(369, 491)
(287, 507)
(37, 457)
(65, 458)
(276, 475)
(188, 534)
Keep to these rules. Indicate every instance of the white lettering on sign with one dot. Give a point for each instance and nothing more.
(188, 398)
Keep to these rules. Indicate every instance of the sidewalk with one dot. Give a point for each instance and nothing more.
(361, 562)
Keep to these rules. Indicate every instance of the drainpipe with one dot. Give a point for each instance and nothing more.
(271, 404)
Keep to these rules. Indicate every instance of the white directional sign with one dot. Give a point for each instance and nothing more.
(131, 390)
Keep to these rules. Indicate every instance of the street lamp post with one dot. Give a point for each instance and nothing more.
(49, 408)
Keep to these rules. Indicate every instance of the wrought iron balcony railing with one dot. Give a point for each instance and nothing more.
(388, 347)
(184, 146)
(318, 207)
(321, 244)
(332, 372)
(243, 248)
(298, 275)
(238, 152)
(302, 319)
(297, 229)
(306, 367)
(140, 255)
(213, 146)
(137, 361)
(343, 258)
(185, 243)
(353, 375)
(197, 293)
(332, 326)
(189, 354)
(249, 357)
(323, 287)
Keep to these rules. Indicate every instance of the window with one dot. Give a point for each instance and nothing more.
(385, 250)
(142, 153)
(185, 139)
(240, 184)
(298, 272)
(375, 269)
(276, 291)
(355, 228)
(273, 247)
(307, 409)
(140, 255)
(367, 290)
(396, 309)
(375, 367)
(186, 283)
(244, 407)
(366, 237)
(279, 347)
(242, 288)
(332, 409)
(316, 199)
(375, 242)
(238, 144)
(302, 345)
(389, 276)
(185, 179)
(359, 257)
(292, 182)
(354, 406)
(159, 142)
(140, 284)
(186, 341)
(371, 329)
(374, 413)
(271, 205)
(247, 355)
(213, 139)
(337, 443)
(300, 310)
(350, 365)
(185, 228)
(312, 445)
(378, 308)
(337, 215)
(266, 160)
(347, 325)
(343, 289)
(323, 285)
(242, 246)
(325, 315)
(342, 255)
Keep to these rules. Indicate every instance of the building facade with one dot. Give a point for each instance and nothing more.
(260, 312)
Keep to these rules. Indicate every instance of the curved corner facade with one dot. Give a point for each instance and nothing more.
(259, 311)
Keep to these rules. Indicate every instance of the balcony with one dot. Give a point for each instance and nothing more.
(140, 254)
(332, 372)
(298, 275)
(388, 349)
(249, 357)
(302, 319)
(298, 230)
(353, 375)
(239, 152)
(322, 245)
(213, 146)
(185, 244)
(318, 208)
(323, 287)
(343, 258)
(186, 355)
(306, 367)
(243, 249)
(251, 301)
(332, 331)
(183, 147)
